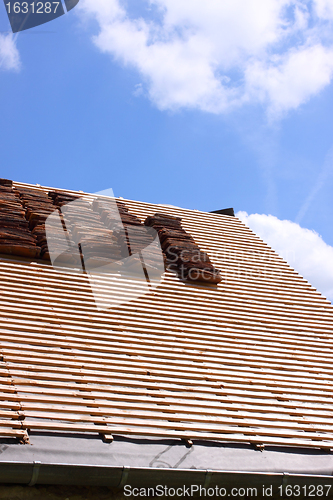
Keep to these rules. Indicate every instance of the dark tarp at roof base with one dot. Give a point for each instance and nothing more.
(86, 460)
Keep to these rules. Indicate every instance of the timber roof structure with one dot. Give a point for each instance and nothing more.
(246, 360)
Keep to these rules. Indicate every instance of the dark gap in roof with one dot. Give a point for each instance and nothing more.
(224, 211)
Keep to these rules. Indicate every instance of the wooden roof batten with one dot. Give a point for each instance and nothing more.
(246, 360)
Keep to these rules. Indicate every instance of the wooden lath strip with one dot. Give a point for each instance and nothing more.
(173, 423)
(272, 346)
(186, 434)
(173, 359)
(149, 377)
(174, 303)
(137, 400)
(302, 419)
(20, 434)
(157, 418)
(171, 282)
(186, 392)
(272, 295)
(308, 338)
(261, 280)
(133, 396)
(216, 343)
(123, 292)
(234, 278)
(68, 313)
(216, 333)
(159, 351)
(139, 367)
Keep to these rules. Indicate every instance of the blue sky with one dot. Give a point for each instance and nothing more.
(164, 103)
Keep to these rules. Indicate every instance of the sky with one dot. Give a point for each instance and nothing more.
(203, 105)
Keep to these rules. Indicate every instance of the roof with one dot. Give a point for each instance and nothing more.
(247, 360)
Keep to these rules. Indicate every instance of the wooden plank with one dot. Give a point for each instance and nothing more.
(180, 412)
(176, 332)
(15, 424)
(158, 419)
(211, 330)
(266, 285)
(163, 301)
(14, 433)
(122, 360)
(244, 426)
(165, 288)
(185, 392)
(192, 341)
(247, 286)
(113, 376)
(157, 310)
(134, 398)
(165, 361)
(212, 335)
(191, 291)
(232, 374)
(171, 353)
(126, 430)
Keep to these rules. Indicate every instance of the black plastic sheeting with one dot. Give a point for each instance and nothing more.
(224, 211)
(86, 460)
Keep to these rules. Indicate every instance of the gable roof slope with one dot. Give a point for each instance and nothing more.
(247, 360)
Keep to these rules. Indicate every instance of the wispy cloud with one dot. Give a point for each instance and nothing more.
(323, 176)
(216, 56)
(9, 55)
(303, 249)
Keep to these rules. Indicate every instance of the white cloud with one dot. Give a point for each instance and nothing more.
(303, 249)
(288, 83)
(9, 55)
(216, 55)
(324, 8)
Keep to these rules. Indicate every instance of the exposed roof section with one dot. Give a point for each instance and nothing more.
(248, 360)
(224, 211)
